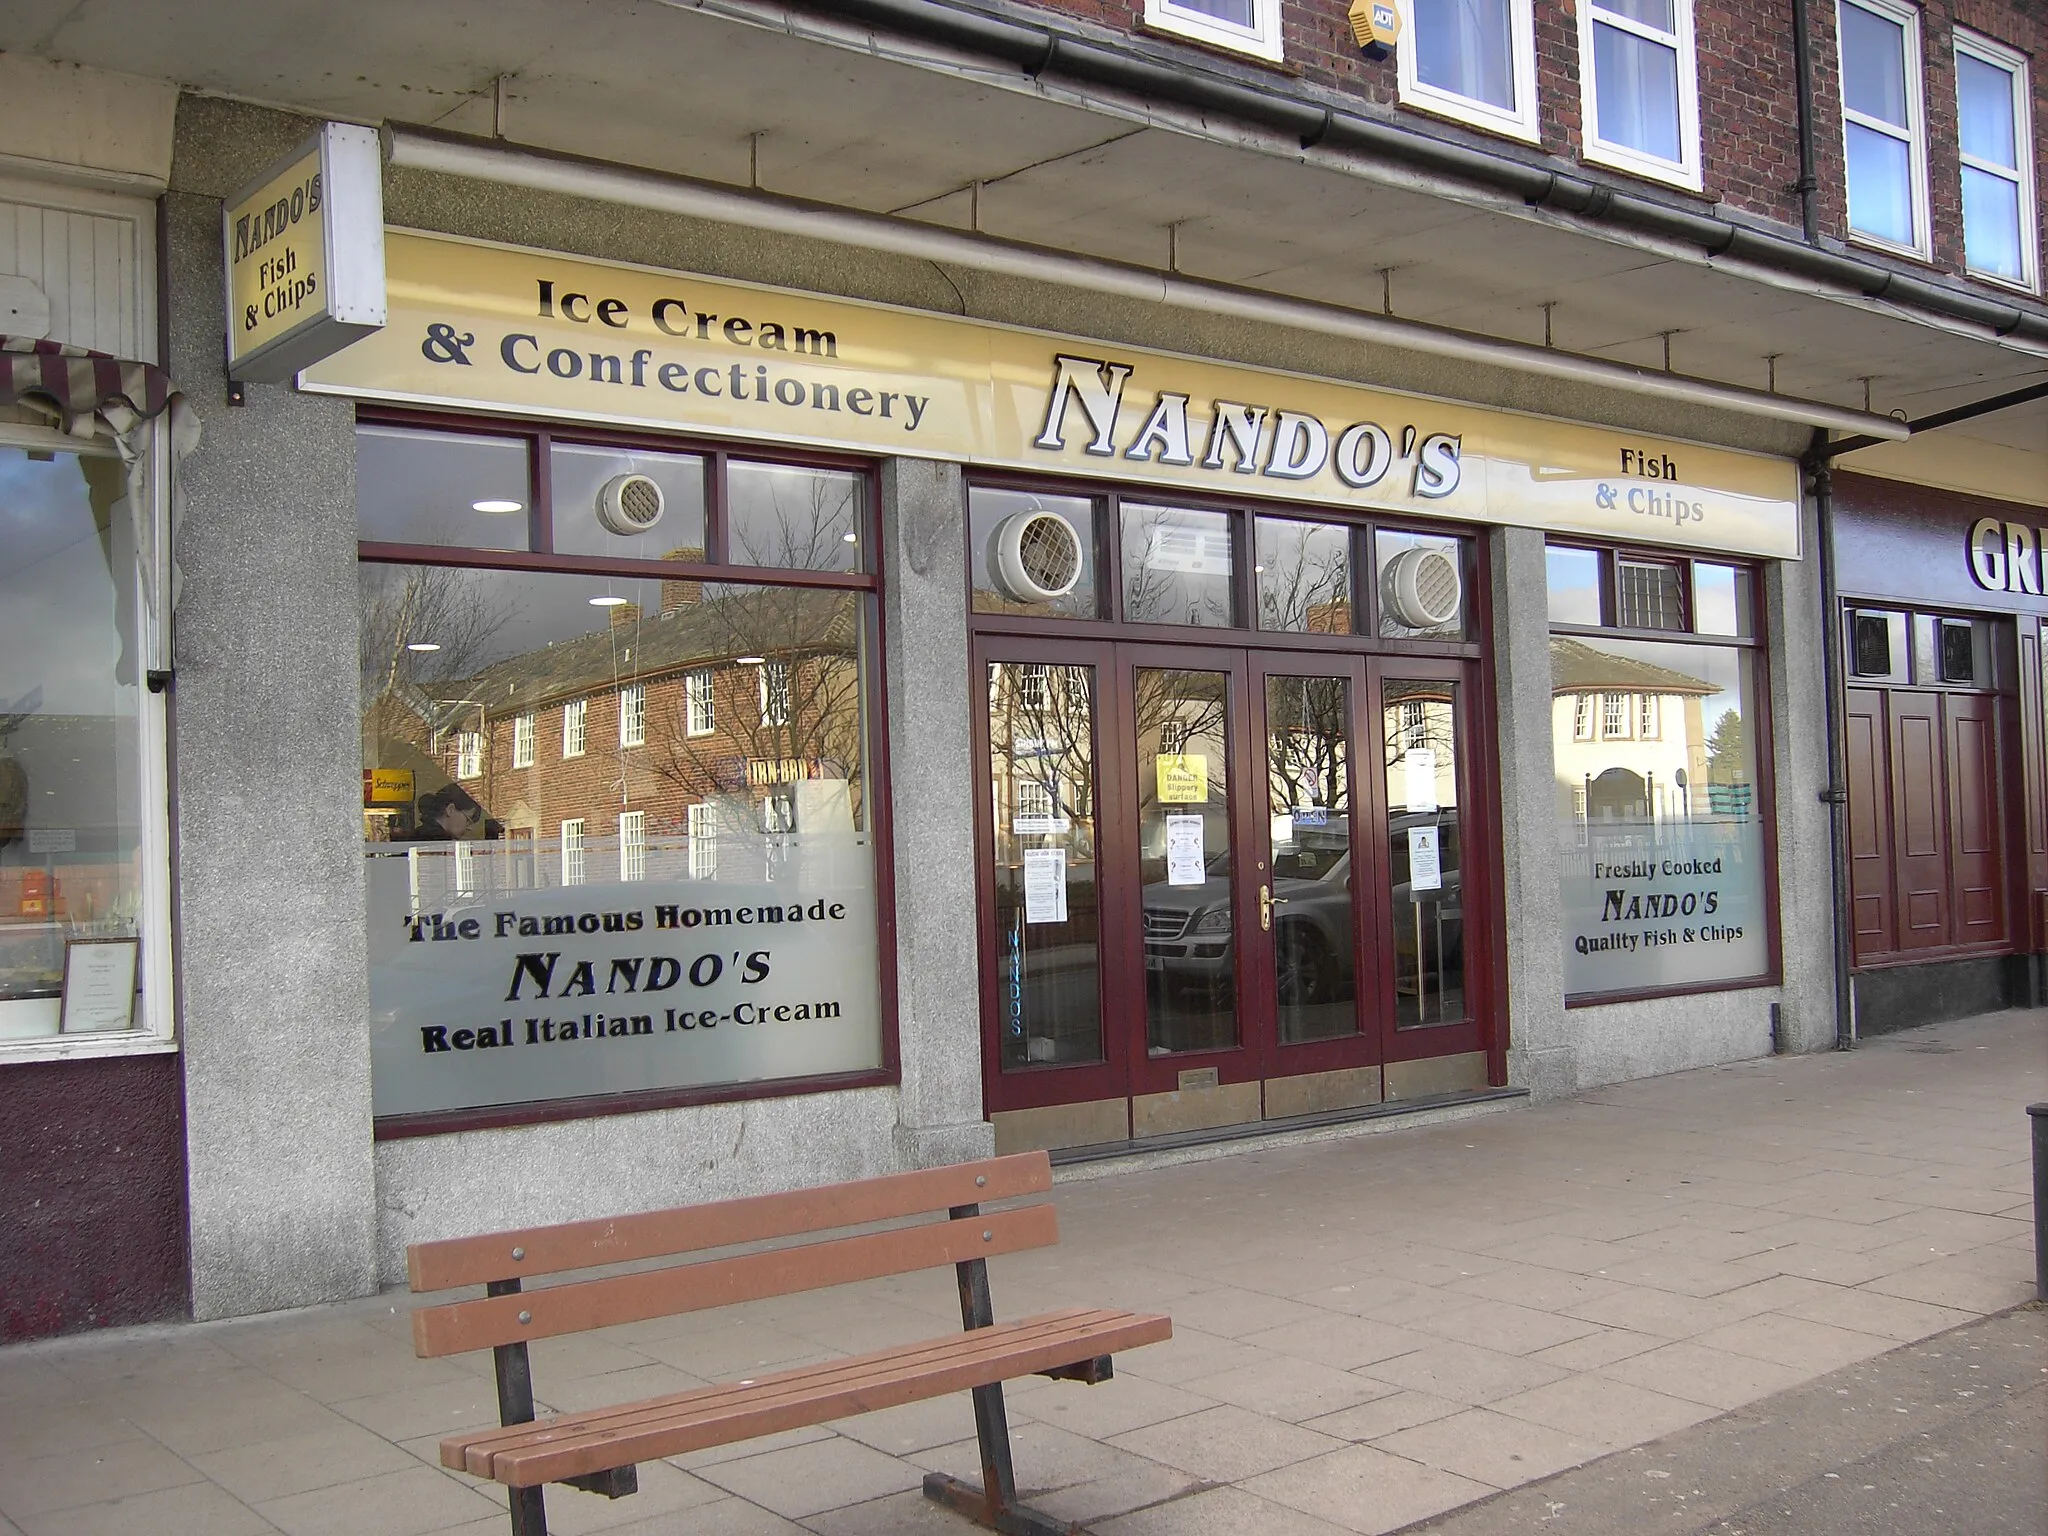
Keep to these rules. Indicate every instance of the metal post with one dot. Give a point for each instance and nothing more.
(2038, 1113)
(515, 1406)
(991, 1419)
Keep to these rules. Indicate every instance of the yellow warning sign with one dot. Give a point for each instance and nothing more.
(1183, 778)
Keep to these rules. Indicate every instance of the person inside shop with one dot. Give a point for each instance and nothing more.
(447, 815)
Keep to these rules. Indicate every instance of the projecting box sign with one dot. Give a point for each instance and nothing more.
(305, 256)
(507, 329)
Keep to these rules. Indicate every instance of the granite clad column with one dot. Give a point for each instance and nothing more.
(924, 576)
(265, 785)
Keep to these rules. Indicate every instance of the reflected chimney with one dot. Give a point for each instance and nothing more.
(679, 594)
(624, 614)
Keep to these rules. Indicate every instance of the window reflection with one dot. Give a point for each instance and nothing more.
(417, 487)
(1304, 572)
(1185, 860)
(1178, 566)
(1425, 856)
(1308, 771)
(800, 519)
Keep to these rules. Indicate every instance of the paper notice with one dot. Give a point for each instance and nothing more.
(1045, 885)
(1184, 862)
(1425, 860)
(1420, 763)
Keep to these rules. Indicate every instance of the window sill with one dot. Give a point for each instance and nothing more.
(1225, 44)
(84, 1047)
(1644, 168)
(2009, 284)
(1455, 109)
(1912, 253)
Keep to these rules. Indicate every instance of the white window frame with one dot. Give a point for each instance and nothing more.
(632, 845)
(1582, 717)
(1616, 716)
(572, 851)
(522, 740)
(469, 754)
(1908, 18)
(700, 705)
(702, 829)
(575, 727)
(1262, 40)
(1522, 123)
(777, 686)
(633, 715)
(1649, 721)
(1998, 56)
(1684, 172)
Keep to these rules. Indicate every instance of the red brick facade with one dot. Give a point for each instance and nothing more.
(1748, 95)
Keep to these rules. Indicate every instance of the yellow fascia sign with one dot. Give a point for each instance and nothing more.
(499, 328)
(304, 244)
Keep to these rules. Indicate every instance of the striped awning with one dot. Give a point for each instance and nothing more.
(83, 386)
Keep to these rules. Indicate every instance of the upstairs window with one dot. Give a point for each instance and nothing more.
(633, 715)
(1994, 132)
(573, 720)
(1474, 60)
(1244, 26)
(522, 740)
(1883, 124)
(1641, 88)
(701, 717)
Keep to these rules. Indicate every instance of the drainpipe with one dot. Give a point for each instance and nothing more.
(1808, 184)
(1819, 468)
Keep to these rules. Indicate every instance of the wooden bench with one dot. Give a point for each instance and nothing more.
(597, 1451)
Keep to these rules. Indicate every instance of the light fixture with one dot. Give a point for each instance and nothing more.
(749, 661)
(607, 601)
(497, 504)
(422, 646)
(851, 538)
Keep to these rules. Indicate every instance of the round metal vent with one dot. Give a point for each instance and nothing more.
(1036, 556)
(1422, 588)
(630, 504)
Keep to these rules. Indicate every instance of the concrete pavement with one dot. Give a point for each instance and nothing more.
(1369, 1332)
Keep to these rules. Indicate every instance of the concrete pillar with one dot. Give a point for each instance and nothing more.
(266, 796)
(931, 772)
(1541, 1057)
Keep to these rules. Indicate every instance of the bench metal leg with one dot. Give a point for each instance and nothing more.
(515, 1406)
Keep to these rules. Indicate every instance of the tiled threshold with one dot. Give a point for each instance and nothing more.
(1074, 1163)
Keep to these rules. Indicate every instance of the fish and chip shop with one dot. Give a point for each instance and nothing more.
(649, 729)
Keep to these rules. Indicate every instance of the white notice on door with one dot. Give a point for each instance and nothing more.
(1425, 861)
(1184, 861)
(1045, 885)
(1421, 778)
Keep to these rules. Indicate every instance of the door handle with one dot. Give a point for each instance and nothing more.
(1266, 908)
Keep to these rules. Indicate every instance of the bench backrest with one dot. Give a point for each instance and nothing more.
(503, 1260)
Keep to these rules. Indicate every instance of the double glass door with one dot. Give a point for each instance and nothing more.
(1222, 884)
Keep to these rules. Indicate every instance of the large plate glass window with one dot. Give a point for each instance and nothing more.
(1994, 132)
(1883, 122)
(1474, 60)
(83, 913)
(683, 896)
(1662, 806)
(1641, 87)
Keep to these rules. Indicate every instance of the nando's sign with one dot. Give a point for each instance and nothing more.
(531, 332)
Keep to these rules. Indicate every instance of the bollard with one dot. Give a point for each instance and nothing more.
(2038, 1113)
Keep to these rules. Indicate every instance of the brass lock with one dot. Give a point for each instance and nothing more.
(1266, 909)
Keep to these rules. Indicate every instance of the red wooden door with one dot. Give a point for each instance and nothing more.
(1919, 820)
(1871, 876)
(1976, 854)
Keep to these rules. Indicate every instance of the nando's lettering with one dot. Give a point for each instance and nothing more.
(1243, 437)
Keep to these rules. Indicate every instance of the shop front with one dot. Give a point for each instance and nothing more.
(1941, 637)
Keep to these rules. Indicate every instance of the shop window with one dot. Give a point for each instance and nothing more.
(1960, 653)
(701, 714)
(1473, 60)
(83, 893)
(1720, 599)
(1994, 117)
(1640, 87)
(1421, 585)
(626, 504)
(1304, 576)
(1243, 26)
(1877, 645)
(633, 715)
(1031, 553)
(1179, 566)
(604, 914)
(1574, 583)
(1662, 835)
(454, 488)
(800, 519)
(1883, 122)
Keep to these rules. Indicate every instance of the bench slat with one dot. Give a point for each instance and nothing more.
(455, 1327)
(472, 1450)
(437, 1266)
(715, 1416)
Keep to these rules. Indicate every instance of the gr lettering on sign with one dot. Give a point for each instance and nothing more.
(2006, 557)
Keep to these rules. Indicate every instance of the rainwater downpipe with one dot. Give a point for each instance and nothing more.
(1820, 476)
(1808, 184)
